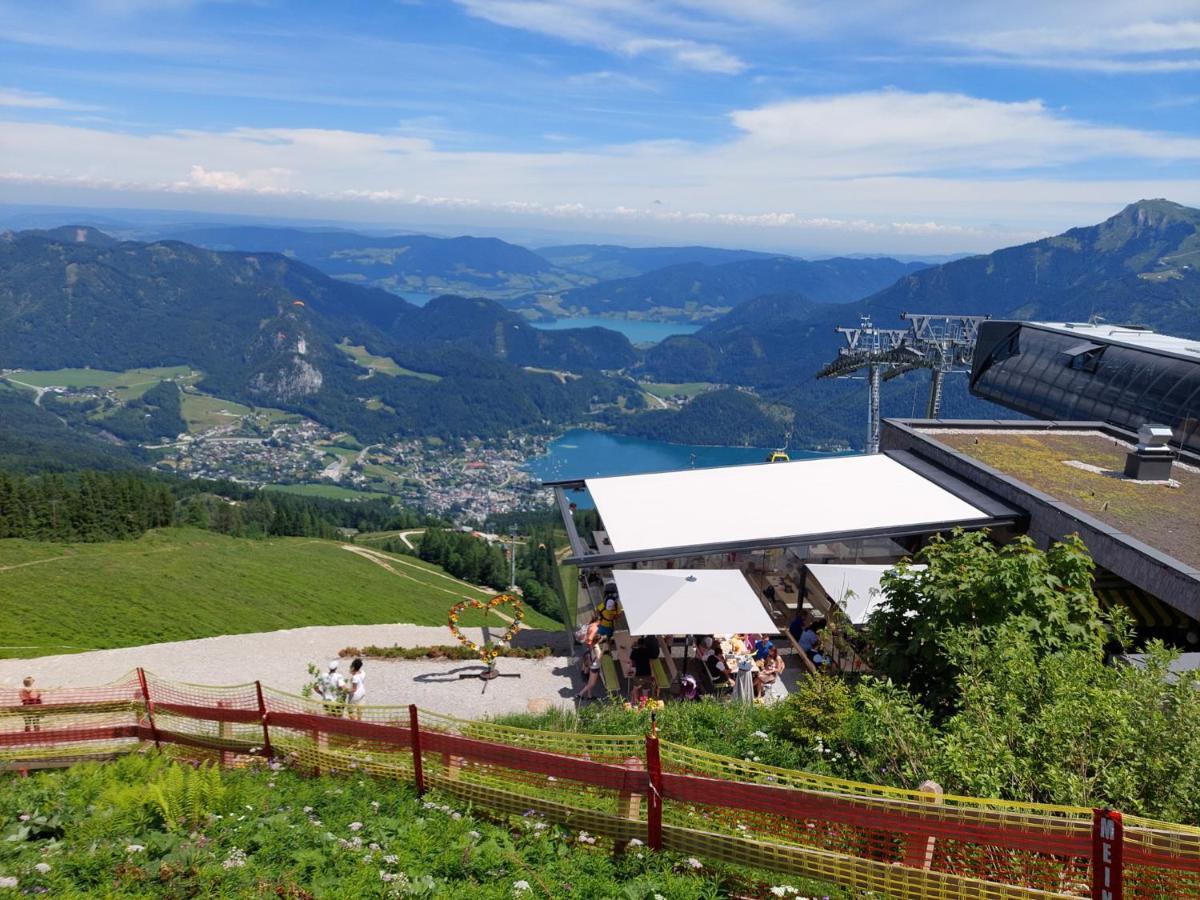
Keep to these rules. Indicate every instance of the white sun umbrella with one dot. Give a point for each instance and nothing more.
(855, 588)
(690, 601)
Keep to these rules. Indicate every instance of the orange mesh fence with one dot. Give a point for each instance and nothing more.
(899, 843)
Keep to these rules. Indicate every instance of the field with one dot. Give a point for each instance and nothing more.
(103, 830)
(666, 390)
(128, 385)
(203, 411)
(327, 491)
(179, 584)
(384, 365)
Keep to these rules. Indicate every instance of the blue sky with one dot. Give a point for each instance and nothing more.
(879, 125)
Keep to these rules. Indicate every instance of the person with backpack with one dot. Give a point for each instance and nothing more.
(330, 688)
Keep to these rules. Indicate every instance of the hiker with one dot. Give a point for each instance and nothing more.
(330, 687)
(31, 696)
(356, 691)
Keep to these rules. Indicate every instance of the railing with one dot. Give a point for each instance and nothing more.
(896, 842)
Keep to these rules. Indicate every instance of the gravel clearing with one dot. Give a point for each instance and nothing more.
(279, 659)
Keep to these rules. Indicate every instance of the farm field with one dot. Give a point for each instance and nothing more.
(204, 411)
(180, 584)
(665, 390)
(384, 365)
(128, 385)
(326, 491)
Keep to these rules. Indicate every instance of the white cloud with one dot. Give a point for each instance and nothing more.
(689, 54)
(17, 98)
(947, 169)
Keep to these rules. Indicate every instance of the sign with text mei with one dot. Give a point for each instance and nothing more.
(1107, 838)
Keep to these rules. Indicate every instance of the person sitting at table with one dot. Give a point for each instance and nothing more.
(771, 665)
(810, 643)
(718, 668)
(798, 624)
(643, 684)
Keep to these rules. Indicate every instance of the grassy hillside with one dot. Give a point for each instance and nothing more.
(179, 584)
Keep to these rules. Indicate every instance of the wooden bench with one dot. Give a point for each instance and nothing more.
(608, 674)
(659, 670)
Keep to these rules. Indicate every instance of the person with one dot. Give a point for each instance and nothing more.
(798, 624)
(593, 673)
(356, 690)
(31, 696)
(610, 610)
(762, 648)
(772, 664)
(643, 684)
(810, 643)
(331, 686)
(718, 669)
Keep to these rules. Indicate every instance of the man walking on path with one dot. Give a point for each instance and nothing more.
(332, 687)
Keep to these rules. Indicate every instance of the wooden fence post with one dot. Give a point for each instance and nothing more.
(262, 711)
(918, 849)
(1108, 838)
(149, 706)
(414, 730)
(629, 803)
(653, 792)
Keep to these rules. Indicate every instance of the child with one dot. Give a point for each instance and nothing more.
(31, 696)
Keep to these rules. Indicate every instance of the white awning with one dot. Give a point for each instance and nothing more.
(855, 588)
(699, 508)
(690, 601)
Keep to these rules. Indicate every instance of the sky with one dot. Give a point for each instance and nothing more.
(804, 126)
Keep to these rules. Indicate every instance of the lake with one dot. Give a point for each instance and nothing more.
(637, 331)
(582, 453)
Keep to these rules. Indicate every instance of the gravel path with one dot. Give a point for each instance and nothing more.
(279, 659)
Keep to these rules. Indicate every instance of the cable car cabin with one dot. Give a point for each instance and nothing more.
(779, 456)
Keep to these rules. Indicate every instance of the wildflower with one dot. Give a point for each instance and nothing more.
(585, 838)
(354, 826)
(375, 804)
(307, 809)
(455, 816)
(235, 860)
(634, 842)
(659, 897)
(474, 834)
(694, 863)
(386, 876)
(762, 735)
(134, 848)
(391, 859)
(520, 886)
(42, 867)
(372, 846)
(783, 890)
(8, 881)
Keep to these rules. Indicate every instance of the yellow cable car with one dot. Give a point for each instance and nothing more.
(779, 456)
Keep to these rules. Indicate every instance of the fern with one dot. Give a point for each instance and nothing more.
(186, 797)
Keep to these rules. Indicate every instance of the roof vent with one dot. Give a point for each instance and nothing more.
(1151, 459)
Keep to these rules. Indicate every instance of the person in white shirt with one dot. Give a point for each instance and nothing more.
(330, 687)
(356, 690)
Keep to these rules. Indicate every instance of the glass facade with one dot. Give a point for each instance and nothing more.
(1051, 375)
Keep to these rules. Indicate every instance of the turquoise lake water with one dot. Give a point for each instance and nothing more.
(637, 332)
(587, 454)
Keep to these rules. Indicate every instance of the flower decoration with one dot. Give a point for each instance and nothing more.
(489, 653)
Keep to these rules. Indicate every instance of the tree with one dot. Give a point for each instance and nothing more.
(1044, 599)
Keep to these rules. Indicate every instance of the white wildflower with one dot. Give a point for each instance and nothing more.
(694, 863)
(762, 735)
(386, 876)
(391, 859)
(520, 887)
(374, 804)
(307, 809)
(659, 897)
(354, 826)
(784, 890)
(235, 860)
(372, 846)
(474, 834)
(134, 848)
(8, 881)
(24, 817)
(585, 838)
(43, 867)
(634, 842)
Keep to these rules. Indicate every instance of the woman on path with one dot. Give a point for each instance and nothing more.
(356, 691)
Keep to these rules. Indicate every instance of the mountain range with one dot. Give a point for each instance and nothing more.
(695, 291)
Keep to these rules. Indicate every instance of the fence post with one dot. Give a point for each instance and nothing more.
(224, 733)
(1108, 838)
(654, 793)
(629, 803)
(262, 711)
(149, 706)
(918, 850)
(414, 730)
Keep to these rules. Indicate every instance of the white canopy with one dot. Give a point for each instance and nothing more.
(855, 588)
(705, 507)
(690, 601)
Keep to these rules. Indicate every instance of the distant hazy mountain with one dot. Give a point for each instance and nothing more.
(609, 261)
(266, 330)
(416, 263)
(1142, 265)
(698, 292)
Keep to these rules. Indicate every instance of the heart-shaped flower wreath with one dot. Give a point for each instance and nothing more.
(489, 653)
